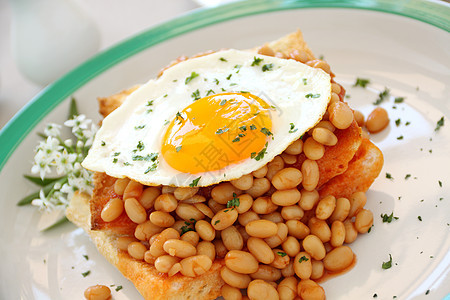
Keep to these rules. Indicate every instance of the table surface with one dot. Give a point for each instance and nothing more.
(121, 19)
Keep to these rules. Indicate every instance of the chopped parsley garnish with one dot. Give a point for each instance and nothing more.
(115, 160)
(362, 82)
(167, 122)
(388, 219)
(86, 257)
(229, 76)
(127, 164)
(400, 137)
(398, 122)
(149, 103)
(190, 78)
(236, 139)
(440, 183)
(220, 130)
(223, 102)
(186, 228)
(267, 67)
(140, 146)
(233, 84)
(216, 222)
(238, 67)
(282, 254)
(382, 96)
(233, 202)
(266, 131)
(223, 59)
(86, 273)
(260, 155)
(152, 167)
(139, 127)
(407, 176)
(118, 288)
(216, 81)
(302, 259)
(310, 95)
(256, 61)
(243, 128)
(116, 154)
(399, 99)
(178, 116)
(387, 264)
(195, 182)
(439, 124)
(305, 81)
(389, 176)
(252, 127)
(292, 129)
(196, 95)
(178, 148)
(148, 157)
(210, 92)
(103, 143)
(420, 218)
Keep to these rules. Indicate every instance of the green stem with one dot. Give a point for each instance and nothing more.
(56, 224)
(47, 189)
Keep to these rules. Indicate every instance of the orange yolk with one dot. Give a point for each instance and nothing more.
(217, 131)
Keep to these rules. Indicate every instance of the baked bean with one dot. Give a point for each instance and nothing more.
(287, 289)
(324, 136)
(247, 217)
(288, 159)
(363, 220)
(325, 207)
(267, 273)
(310, 290)
(234, 279)
(359, 117)
(341, 211)
(259, 188)
(97, 292)
(264, 205)
(365, 134)
(184, 193)
(293, 212)
(157, 247)
(312, 149)
(221, 250)
(188, 212)
(152, 239)
(149, 258)
(299, 55)
(325, 124)
(341, 116)
(232, 239)
(289, 270)
(120, 184)
(334, 98)
(287, 178)
(243, 233)
(337, 233)
(148, 197)
(320, 229)
(266, 50)
(310, 171)
(260, 250)
(261, 228)
(112, 210)
(336, 88)
(165, 262)
(195, 265)
(297, 229)
(135, 211)
(274, 217)
(168, 189)
(137, 250)
(191, 237)
(241, 262)
(146, 230)
(215, 207)
(244, 182)
(357, 202)
(194, 199)
(261, 172)
(224, 218)
(308, 199)
(338, 259)
(281, 259)
(179, 248)
(133, 190)
(350, 232)
(377, 120)
(274, 166)
(162, 219)
(182, 226)
(175, 269)
(302, 265)
(259, 289)
(291, 246)
(206, 248)
(223, 192)
(295, 148)
(204, 209)
(279, 237)
(230, 293)
(286, 197)
(319, 64)
(122, 242)
(317, 269)
(205, 230)
(314, 246)
(166, 203)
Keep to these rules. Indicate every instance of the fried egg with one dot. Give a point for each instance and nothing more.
(210, 119)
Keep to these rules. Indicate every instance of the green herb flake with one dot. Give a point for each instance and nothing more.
(427, 292)
(243, 128)
(388, 264)
(382, 96)
(220, 130)
(167, 122)
(266, 131)
(148, 157)
(216, 222)
(420, 218)
(116, 154)
(303, 258)
(151, 168)
(399, 99)
(229, 76)
(103, 143)
(389, 176)
(178, 148)
(191, 77)
(256, 61)
(185, 229)
(260, 154)
(374, 296)
(362, 82)
(118, 288)
(236, 139)
(195, 182)
(216, 81)
(310, 95)
(407, 176)
(179, 118)
(407, 123)
(196, 95)
(400, 137)
(292, 129)
(140, 146)
(439, 124)
(139, 127)
(233, 202)
(252, 127)
(388, 218)
(398, 122)
(86, 273)
(115, 160)
(440, 183)
(86, 257)
(210, 92)
(127, 164)
(282, 254)
(223, 102)
(267, 67)
(223, 59)
(305, 81)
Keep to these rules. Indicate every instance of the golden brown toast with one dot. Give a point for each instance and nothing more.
(340, 166)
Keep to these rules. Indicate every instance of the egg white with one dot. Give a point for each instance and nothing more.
(128, 136)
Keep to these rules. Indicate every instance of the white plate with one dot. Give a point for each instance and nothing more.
(406, 50)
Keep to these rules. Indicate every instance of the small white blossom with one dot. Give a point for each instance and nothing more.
(52, 129)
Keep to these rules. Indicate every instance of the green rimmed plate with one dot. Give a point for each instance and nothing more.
(359, 38)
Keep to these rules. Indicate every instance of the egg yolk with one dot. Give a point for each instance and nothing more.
(217, 131)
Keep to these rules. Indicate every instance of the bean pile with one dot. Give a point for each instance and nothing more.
(274, 233)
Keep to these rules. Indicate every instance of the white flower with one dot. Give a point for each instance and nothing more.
(52, 129)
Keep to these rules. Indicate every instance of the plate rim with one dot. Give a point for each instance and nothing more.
(432, 12)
